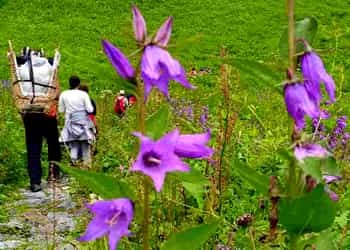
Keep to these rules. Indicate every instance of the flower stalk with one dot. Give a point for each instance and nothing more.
(291, 35)
(146, 185)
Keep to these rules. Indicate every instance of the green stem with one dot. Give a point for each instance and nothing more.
(146, 214)
(142, 129)
(291, 35)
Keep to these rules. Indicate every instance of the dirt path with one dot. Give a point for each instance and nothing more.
(41, 220)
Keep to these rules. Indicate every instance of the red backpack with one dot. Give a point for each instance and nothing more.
(119, 105)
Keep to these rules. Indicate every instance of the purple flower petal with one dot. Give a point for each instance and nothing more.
(100, 206)
(139, 25)
(331, 178)
(313, 70)
(118, 60)
(346, 136)
(111, 217)
(157, 158)
(96, 229)
(163, 35)
(158, 68)
(310, 150)
(299, 104)
(113, 240)
(194, 146)
(334, 196)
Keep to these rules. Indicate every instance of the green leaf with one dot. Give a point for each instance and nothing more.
(256, 180)
(313, 212)
(316, 167)
(194, 183)
(329, 166)
(312, 166)
(197, 191)
(305, 28)
(194, 176)
(192, 238)
(105, 186)
(157, 123)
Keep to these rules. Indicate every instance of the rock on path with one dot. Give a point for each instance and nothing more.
(36, 218)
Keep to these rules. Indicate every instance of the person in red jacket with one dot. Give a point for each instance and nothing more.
(120, 103)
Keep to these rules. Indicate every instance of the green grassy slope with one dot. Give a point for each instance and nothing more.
(249, 29)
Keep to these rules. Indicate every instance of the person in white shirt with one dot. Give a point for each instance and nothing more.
(79, 131)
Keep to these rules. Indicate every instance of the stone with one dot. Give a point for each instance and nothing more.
(10, 244)
(64, 222)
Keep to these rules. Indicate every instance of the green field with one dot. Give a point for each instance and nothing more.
(250, 31)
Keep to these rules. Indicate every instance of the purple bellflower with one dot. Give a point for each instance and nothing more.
(156, 158)
(310, 150)
(112, 217)
(315, 73)
(158, 68)
(299, 103)
(194, 146)
(118, 60)
(157, 65)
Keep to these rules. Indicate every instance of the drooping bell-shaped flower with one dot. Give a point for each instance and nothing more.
(158, 68)
(139, 25)
(156, 158)
(315, 73)
(119, 61)
(299, 103)
(157, 65)
(194, 146)
(310, 150)
(112, 218)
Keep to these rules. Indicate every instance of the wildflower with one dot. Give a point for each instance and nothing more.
(332, 141)
(299, 104)
(204, 117)
(139, 25)
(156, 158)
(338, 133)
(157, 65)
(330, 179)
(158, 68)
(310, 150)
(346, 136)
(194, 146)
(118, 60)
(341, 122)
(112, 217)
(314, 71)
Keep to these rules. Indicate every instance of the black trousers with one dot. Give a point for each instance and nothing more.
(37, 127)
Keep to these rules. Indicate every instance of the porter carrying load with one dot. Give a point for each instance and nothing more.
(35, 81)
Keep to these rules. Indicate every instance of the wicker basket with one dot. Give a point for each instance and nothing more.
(46, 104)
